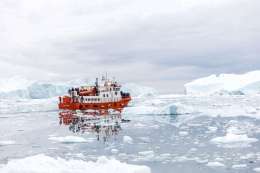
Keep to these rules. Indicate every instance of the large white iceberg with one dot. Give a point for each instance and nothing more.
(234, 84)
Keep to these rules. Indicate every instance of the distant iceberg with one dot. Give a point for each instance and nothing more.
(19, 87)
(139, 91)
(225, 84)
(35, 91)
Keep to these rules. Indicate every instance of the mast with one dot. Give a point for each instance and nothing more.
(97, 87)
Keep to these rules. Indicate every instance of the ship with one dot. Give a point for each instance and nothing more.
(101, 98)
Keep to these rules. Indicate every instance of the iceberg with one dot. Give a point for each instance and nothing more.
(139, 91)
(45, 164)
(225, 84)
(21, 88)
(36, 91)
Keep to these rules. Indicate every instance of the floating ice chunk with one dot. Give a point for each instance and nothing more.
(9, 142)
(146, 155)
(173, 110)
(128, 140)
(192, 150)
(183, 133)
(139, 125)
(164, 156)
(200, 160)
(212, 129)
(180, 159)
(215, 164)
(219, 159)
(114, 151)
(123, 155)
(233, 141)
(240, 166)
(256, 169)
(248, 156)
(68, 139)
(165, 109)
(45, 164)
(250, 110)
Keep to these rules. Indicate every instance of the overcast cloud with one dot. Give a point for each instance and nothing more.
(162, 43)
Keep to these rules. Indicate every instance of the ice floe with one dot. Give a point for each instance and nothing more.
(114, 151)
(183, 133)
(146, 155)
(231, 140)
(7, 142)
(215, 164)
(27, 105)
(239, 166)
(45, 164)
(127, 139)
(69, 139)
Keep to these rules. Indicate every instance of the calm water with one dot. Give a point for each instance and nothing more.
(165, 143)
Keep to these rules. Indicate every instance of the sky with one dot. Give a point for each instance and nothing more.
(163, 44)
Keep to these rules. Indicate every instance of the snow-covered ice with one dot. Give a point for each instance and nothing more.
(233, 141)
(237, 84)
(240, 166)
(128, 140)
(215, 164)
(68, 139)
(8, 142)
(46, 164)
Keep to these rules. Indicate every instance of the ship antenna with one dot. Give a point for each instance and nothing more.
(96, 82)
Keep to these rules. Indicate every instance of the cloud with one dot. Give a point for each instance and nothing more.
(162, 43)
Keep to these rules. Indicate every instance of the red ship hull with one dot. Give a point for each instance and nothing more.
(67, 104)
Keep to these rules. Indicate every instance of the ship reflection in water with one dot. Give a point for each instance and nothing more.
(103, 126)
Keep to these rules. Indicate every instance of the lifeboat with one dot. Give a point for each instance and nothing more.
(100, 98)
